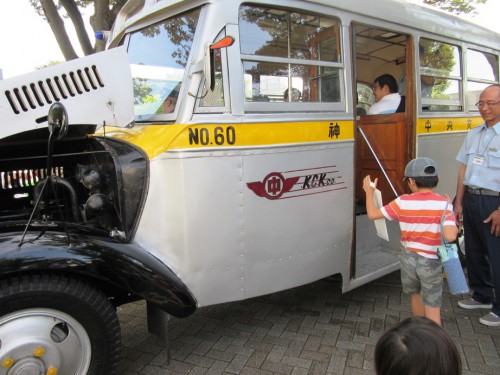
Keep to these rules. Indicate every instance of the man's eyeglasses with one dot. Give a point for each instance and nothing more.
(486, 104)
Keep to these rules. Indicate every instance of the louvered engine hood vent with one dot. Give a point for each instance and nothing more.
(96, 89)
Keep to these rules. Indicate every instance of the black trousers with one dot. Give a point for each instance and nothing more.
(482, 249)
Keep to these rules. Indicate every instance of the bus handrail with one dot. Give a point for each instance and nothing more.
(378, 161)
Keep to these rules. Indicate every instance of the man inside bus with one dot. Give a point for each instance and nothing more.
(168, 105)
(387, 98)
(296, 95)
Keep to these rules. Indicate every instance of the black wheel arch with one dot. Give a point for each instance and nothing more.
(124, 272)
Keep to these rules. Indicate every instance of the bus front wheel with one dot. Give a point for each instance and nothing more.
(56, 325)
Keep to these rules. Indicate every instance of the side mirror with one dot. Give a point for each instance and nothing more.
(58, 121)
(209, 60)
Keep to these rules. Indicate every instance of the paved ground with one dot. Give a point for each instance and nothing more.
(313, 329)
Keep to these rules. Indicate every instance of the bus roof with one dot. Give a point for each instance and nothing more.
(419, 16)
(407, 13)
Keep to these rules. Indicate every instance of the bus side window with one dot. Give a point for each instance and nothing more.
(273, 44)
(482, 71)
(440, 76)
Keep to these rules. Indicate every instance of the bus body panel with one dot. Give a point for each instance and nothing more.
(432, 147)
(440, 139)
(297, 234)
(211, 219)
(192, 219)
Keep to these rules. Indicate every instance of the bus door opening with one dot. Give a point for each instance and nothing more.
(383, 140)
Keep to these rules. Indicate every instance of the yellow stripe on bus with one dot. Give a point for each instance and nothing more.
(440, 125)
(155, 139)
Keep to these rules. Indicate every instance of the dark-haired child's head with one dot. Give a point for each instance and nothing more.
(417, 346)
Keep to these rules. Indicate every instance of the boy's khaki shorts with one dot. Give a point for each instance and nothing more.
(422, 275)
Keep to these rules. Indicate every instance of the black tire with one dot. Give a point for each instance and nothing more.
(59, 323)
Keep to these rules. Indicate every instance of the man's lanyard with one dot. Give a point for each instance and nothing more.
(479, 157)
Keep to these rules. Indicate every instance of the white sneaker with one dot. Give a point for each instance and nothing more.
(473, 304)
(491, 319)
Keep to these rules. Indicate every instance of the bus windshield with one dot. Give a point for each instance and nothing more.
(158, 56)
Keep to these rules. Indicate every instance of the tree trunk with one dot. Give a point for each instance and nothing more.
(118, 4)
(77, 20)
(57, 25)
(101, 21)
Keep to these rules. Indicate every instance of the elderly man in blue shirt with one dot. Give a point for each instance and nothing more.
(478, 204)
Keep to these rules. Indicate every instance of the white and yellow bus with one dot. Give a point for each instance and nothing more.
(238, 173)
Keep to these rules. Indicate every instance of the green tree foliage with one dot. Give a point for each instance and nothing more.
(456, 6)
(142, 91)
(438, 58)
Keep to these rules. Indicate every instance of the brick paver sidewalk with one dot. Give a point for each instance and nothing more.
(313, 329)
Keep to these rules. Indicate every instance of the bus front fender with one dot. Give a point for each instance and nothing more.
(119, 269)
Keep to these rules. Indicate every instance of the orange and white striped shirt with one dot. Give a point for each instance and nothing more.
(419, 216)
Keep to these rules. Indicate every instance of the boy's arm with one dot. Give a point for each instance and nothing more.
(450, 232)
(372, 210)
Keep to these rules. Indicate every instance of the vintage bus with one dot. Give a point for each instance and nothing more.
(215, 153)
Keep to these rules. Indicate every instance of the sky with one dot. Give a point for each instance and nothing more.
(26, 40)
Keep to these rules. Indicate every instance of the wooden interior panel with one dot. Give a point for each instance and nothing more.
(387, 136)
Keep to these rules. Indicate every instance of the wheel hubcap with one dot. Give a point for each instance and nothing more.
(43, 342)
(27, 366)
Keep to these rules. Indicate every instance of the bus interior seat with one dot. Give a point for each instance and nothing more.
(402, 104)
(360, 111)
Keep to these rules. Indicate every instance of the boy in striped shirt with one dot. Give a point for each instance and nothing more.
(419, 215)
